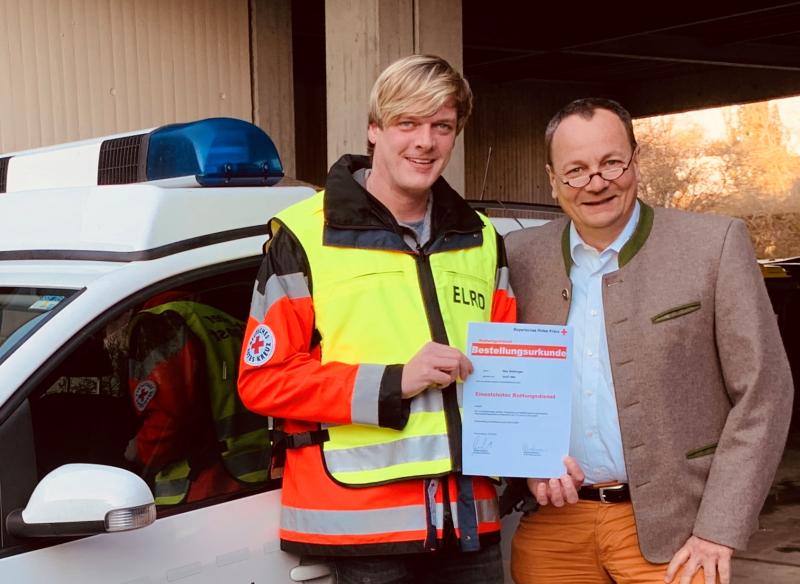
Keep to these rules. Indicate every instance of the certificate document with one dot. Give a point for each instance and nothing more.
(517, 401)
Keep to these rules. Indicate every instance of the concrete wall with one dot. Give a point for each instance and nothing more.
(75, 69)
(83, 68)
(511, 118)
(273, 75)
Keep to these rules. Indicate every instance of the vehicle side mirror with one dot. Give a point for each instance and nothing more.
(84, 499)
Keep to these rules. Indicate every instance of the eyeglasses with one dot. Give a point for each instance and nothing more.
(607, 174)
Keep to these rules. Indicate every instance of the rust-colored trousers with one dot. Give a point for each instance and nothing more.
(585, 543)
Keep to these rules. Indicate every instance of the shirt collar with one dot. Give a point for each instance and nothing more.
(347, 204)
(576, 241)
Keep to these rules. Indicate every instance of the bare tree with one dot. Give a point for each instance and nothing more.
(751, 173)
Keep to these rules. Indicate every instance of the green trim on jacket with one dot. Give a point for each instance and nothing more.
(631, 247)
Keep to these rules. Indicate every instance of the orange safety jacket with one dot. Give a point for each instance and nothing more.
(193, 419)
(283, 372)
(168, 383)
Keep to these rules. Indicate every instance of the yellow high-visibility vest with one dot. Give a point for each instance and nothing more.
(379, 306)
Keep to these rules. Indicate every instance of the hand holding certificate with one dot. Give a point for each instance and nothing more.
(517, 401)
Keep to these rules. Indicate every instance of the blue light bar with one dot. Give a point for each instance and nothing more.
(219, 152)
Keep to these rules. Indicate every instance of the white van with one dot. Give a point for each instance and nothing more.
(90, 233)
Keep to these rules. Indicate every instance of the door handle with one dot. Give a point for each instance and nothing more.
(304, 573)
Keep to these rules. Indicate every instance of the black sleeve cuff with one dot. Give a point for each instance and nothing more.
(393, 410)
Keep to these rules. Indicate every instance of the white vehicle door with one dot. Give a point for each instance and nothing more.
(84, 407)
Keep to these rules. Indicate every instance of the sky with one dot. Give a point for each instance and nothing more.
(712, 122)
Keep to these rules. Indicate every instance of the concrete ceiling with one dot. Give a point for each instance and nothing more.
(656, 57)
(697, 53)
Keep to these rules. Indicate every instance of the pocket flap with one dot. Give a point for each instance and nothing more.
(681, 310)
(702, 451)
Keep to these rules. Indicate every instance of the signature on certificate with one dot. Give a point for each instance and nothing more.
(482, 444)
(530, 449)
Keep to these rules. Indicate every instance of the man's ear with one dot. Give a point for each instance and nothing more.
(552, 177)
(372, 133)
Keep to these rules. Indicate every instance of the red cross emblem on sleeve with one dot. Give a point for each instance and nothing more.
(260, 347)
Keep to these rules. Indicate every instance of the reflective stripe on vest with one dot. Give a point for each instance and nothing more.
(172, 484)
(369, 309)
(246, 452)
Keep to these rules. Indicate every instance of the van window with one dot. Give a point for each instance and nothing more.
(154, 391)
(23, 309)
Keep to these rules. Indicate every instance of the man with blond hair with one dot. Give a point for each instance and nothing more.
(355, 339)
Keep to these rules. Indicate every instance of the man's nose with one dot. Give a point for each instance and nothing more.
(596, 183)
(424, 137)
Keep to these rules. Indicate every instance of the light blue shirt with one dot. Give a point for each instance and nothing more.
(595, 441)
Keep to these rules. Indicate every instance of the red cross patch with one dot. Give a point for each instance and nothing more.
(143, 393)
(260, 347)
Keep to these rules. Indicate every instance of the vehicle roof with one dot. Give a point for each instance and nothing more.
(54, 274)
(121, 219)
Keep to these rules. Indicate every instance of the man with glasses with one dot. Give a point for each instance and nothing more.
(682, 391)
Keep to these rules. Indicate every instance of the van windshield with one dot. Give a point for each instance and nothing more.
(23, 310)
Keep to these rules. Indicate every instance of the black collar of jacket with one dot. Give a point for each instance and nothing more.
(351, 212)
(631, 247)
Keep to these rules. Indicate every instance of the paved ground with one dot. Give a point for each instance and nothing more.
(773, 555)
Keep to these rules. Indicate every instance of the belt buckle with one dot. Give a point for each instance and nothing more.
(602, 492)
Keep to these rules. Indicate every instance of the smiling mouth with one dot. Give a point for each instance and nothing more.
(420, 161)
(596, 202)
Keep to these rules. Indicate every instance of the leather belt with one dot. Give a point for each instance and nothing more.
(610, 494)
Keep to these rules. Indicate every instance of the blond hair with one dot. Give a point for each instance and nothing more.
(418, 85)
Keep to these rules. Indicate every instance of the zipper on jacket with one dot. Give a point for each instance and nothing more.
(439, 335)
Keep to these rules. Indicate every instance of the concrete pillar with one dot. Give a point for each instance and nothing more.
(362, 37)
(273, 82)
(438, 26)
